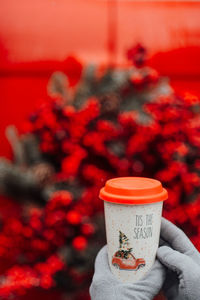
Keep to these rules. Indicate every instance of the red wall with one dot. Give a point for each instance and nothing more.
(36, 35)
(50, 29)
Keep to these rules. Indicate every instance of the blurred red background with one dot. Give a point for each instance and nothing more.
(37, 36)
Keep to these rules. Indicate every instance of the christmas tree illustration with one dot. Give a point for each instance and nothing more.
(124, 249)
(123, 259)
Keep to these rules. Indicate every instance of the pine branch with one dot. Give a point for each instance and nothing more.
(17, 148)
(18, 183)
(31, 150)
(58, 85)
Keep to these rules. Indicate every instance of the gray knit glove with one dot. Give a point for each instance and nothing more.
(106, 287)
(183, 262)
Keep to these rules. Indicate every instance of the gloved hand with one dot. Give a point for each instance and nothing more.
(106, 287)
(183, 262)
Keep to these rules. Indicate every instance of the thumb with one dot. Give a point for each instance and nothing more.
(174, 260)
(152, 283)
(156, 274)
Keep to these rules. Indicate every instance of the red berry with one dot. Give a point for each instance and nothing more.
(73, 217)
(87, 229)
(79, 243)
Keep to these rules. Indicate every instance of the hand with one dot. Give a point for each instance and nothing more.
(106, 287)
(183, 262)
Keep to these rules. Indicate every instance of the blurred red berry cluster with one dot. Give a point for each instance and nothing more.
(117, 122)
(35, 240)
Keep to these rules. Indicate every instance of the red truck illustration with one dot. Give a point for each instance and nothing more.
(123, 259)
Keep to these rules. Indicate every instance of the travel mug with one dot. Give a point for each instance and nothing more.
(133, 209)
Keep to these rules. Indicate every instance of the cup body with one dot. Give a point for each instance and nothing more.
(133, 209)
(132, 233)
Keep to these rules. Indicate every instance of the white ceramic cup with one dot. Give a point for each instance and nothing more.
(133, 209)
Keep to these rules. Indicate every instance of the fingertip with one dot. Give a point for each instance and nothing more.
(102, 251)
(172, 259)
(163, 250)
(102, 255)
(166, 223)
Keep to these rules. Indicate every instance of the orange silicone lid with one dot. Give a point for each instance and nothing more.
(133, 190)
